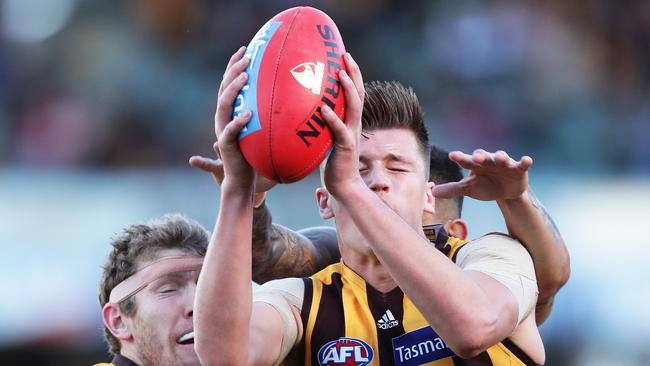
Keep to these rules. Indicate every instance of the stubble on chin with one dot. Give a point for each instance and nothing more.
(150, 350)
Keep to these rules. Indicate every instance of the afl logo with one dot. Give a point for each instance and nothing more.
(345, 351)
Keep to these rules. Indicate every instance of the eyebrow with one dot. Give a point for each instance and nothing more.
(170, 278)
(400, 158)
(389, 157)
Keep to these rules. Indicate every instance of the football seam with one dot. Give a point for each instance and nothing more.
(275, 74)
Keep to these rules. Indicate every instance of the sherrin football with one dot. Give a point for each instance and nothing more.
(294, 63)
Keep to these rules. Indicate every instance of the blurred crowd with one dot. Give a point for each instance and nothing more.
(115, 84)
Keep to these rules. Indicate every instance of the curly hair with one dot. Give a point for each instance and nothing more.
(140, 243)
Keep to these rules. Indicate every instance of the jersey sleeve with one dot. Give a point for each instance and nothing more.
(281, 295)
(507, 261)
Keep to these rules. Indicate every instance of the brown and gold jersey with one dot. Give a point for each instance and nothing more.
(348, 322)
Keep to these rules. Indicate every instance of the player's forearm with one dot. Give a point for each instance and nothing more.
(528, 221)
(280, 252)
(223, 296)
(543, 310)
(290, 255)
(262, 261)
(455, 305)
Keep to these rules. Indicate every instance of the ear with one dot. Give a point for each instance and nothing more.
(429, 199)
(457, 228)
(324, 208)
(114, 322)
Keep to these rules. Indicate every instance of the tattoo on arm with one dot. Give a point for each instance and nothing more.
(547, 218)
(261, 243)
(279, 252)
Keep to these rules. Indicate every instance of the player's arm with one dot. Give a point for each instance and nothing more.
(469, 310)
(229, 329)
(496, 176)
(528, 221)
(278, 251)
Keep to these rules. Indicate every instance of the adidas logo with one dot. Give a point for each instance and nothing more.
(387, 321)
(309, 75)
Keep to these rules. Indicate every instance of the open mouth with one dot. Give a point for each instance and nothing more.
(187, 338)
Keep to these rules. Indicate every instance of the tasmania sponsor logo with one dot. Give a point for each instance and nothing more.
(345, 351)
(419, 347)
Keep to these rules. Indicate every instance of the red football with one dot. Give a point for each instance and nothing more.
(294, 62)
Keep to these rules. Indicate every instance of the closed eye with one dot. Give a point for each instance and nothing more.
(398, 170)
(167, 289)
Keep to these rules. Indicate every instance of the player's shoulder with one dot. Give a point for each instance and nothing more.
(494, 245)
(290, 284)
(494, 239)
(317, 233)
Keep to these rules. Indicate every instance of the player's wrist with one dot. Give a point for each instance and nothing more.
(234, 187)
(516, 202)
(349, 189)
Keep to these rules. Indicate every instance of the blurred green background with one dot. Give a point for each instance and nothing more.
(103, 102)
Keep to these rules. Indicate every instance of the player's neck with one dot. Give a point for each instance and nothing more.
(370, 269)
(131, 354)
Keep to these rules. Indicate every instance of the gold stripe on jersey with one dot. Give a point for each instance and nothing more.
(501, 355)
(317, 293)
(357, 313)
(455, 245)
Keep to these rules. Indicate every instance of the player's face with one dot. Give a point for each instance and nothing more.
(163, 316)
(392, 166)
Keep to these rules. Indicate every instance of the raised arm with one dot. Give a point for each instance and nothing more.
(496, 176)
(223, 301)
(528, 221)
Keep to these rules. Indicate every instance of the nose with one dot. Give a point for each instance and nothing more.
(189, 300)
(377, 180)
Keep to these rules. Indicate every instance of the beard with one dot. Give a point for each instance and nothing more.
(151, 351)
(155, 351)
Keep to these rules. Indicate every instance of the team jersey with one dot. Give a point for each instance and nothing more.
(348, 322)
